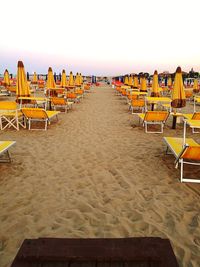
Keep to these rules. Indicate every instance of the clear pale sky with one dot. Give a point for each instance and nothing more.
(106, 37)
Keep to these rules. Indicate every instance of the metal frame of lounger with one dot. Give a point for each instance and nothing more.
(195, 116)
(181, 160)
(3, 151)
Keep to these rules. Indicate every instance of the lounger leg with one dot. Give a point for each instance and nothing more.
(181, 170)
(7, 159)
(29, 124)
(46, 125)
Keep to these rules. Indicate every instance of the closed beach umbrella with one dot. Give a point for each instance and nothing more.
(71, 79)
(130, 80)
(135, 81)
(126, 80)
(22, 87)
(77, 79)
(35, 79)
(195, 86)
(178, 93)
(143, 84)
(169, 82)
(155, 85)
(50, 79)
(63, 82)
(6, 79)
(81, 78)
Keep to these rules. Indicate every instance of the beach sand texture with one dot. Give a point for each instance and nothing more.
(95, 173)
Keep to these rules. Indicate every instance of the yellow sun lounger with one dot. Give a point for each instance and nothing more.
(60, 102)
(154, 117)
(39, 114)
(184, 154)
(10, 116)
(195, 118)
(4, 146)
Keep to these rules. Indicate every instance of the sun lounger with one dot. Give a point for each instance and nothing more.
(184, 154)
(39, 115)
(10, 116)
(154, 117)
(4, 146)
(62, 103)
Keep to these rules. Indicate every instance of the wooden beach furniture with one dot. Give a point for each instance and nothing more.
(4, 153)
(39, 115)
(187, 152)
(61, 103)
(10, 115)
(96, 252)
(154, 117)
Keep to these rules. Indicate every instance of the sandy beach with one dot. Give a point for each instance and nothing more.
(96, 173)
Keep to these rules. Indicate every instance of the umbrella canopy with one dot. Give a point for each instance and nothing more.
(77, 79)
(6, 79)
(130, 80)
(81, 78)
(126, 80)
(155, 85)
(135, 81)
(71, 79)
(50, 79)
(35, 79)
(195, 86)
(178, 93)
(63, 82)
(22, 87)
(169, 82)
(143, 84)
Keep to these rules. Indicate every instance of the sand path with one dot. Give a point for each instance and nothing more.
(95, 175)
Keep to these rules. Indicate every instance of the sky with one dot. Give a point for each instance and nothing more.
(107, 37)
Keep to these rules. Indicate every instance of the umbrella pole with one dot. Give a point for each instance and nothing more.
(174, 120)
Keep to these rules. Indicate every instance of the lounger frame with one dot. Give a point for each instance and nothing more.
(7, 158)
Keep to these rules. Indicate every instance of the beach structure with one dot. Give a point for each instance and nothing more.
(71, 79)
(22, 86)
(63, 82)
(6, 79)
(50, 79)
(155, 85)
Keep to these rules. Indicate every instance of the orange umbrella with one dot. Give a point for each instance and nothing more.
(50, 79)
(6, 79)
(77, 79)
(155, 85)
(71, 79)
(178, 93)
(63, 82)
(22, 87)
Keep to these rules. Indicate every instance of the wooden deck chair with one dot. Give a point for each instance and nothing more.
(154, 117)
(10, 115)
(58, 102)
(40, 115)
(194, 116)
(4, 153)
(184, 154)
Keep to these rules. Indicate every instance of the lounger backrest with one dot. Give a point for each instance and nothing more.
(8, 105)
(156, 116)
(58, 101)
(192, 153)
(34, 113)
(138, 103)
(71, 95)
(196, 116)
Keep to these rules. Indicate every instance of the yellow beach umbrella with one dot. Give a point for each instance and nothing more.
(169, 82)
(178, 93)
(71, 79)
(77, 79)
(126, 80)
(135, 81)
(22, 86)
(6, 79)
(143, 84)
(195, 86)
(155, 85)
(81, 78)
(130, 80)
(63, 82)
(35, 80)
(50, 79)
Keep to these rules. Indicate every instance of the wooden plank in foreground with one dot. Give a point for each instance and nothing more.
(96, 252)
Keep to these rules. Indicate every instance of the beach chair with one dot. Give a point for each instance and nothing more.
(39, 115)
(62, 103)
(10, 115)
(4, 153)
(73, 97)
(154, 117)
(138, 104)
(184, 154)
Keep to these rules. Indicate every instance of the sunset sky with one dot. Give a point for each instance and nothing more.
(100, 37)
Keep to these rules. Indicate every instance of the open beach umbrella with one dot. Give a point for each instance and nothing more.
(6, 79)
(195, 86)
(126, 80)
(35, 79)
(63, 82)
(135, 81)
(155, 85)
(143, 87)
(130, 80)
(22, 86)
(50, 79)
(71, 79)
(77, 79)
